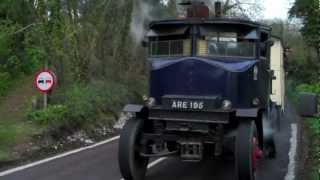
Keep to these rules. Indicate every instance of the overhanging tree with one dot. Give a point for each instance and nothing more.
(309, 13)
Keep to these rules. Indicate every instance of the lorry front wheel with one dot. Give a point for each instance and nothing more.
(245, 157)
(132, 165)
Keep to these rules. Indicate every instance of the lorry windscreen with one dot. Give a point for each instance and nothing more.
(170, 48)
(226, 45)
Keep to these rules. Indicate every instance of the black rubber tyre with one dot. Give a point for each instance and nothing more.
(244, 151)
(132, 165)
(270, 148)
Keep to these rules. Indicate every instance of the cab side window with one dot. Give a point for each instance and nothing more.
(263, 45)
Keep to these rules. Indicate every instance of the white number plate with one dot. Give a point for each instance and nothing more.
(185, 105)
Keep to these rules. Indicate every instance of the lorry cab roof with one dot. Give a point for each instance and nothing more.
(236, 22)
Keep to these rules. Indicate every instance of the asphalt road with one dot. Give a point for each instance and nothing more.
(100, 163)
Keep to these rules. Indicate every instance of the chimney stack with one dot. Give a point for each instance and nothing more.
(218, 9)
(196, 9)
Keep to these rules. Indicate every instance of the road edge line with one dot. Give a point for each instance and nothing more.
(27, 166)
(152, 164)
(292, 153)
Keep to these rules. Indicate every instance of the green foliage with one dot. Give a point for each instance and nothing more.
(7, 137)
(87, 102)
(314, 88)
(314, 133)
(79, 103)
(302, 64)
(7, 134)
(99, 64)
(13, 59)
(89, 45)
(50, 116)
(304, 70)
(309, 12)
(83, 105)
(5, 83)
(12, 133)
(315, 125)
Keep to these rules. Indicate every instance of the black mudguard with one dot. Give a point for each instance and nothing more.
(141, 111)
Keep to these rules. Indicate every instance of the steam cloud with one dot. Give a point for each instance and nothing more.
(141, 15)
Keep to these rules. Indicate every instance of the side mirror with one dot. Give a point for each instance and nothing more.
(308, 104)
(270, 42)
(272, 74)
(145, 42)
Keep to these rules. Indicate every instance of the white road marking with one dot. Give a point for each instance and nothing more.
(156, 162)
(150, 165)
(292, 153)
(17, 169)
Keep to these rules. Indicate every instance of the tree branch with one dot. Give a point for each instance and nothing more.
(24, 28)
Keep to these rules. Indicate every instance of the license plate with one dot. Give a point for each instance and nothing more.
(185, 105)
(197, 103)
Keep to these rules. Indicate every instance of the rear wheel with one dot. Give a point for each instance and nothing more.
(132, 165)
(245, 156)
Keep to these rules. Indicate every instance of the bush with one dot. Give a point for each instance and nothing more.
(90, 103)
(35, 58)
(110, 96)
(5, 83)
(83, 106)
(314, 88)
(76, 109)
(17, 57)
(53, 115)
(79, 102)
(315, 125)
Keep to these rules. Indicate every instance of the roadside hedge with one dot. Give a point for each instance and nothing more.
(313, 88)
(82, 106)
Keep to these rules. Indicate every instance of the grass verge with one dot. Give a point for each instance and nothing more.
(13, 133)
(313, 132)
(14, 128)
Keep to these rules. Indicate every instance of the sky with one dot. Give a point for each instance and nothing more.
(276, 8)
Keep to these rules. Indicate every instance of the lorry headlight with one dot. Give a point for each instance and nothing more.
(255, 73)
(226, 105)
(256, 101)
(149, 101)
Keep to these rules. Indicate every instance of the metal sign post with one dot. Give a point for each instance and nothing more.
(45, 100)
